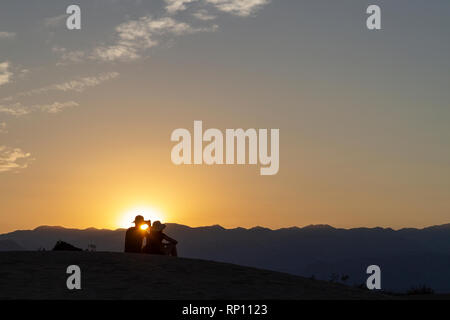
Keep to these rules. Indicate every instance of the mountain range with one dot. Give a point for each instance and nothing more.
(407, 257)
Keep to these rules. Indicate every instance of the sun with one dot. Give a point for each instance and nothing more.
(144, 226)
(126, 219)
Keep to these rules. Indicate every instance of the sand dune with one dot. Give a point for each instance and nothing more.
(42, 275)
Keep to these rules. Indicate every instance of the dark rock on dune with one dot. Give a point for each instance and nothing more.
(42, 275)
(64, 246)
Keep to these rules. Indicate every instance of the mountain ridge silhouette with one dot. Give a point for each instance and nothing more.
(310, 226)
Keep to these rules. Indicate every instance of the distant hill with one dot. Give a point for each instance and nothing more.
(407, 257)
(41, 275)
(9, 245)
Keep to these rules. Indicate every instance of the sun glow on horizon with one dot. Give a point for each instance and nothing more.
(144, 227)
(126, 219)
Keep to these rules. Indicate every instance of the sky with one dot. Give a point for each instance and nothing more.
(86, 115)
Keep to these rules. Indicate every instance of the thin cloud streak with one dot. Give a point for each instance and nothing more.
(18, 109)
(136, 36)
(173, 6)
(132, 39)
(203, 15)
(13, 159)
(5, 74)
(77, 85)
(241, 8)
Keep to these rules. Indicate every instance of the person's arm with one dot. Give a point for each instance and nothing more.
(126, 241)
(169, 239)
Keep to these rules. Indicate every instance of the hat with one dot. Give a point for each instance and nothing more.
(158, 226)
(138, 219)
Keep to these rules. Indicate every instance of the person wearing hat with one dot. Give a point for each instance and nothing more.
(135, 236)
(155, 241)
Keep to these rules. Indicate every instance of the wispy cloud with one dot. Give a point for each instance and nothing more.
(55, 107)
(7, 35)
(78, 85)
(135, 36)
(132, 39)
(68, 56)
(5, 74)
(18, 109)
(204, 15)
(3, 127)
(173, 6)
(13, 159)
(83, 83)
(237, 7)
(241, 8)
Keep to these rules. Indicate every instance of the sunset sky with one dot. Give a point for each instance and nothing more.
(86, 116)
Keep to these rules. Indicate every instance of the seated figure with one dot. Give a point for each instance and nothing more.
(135, 236)
(160, 243)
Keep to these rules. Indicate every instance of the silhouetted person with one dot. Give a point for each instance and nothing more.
(155, 244)
(135, 235)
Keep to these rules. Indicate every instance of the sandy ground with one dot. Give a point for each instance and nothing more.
(42, 275)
